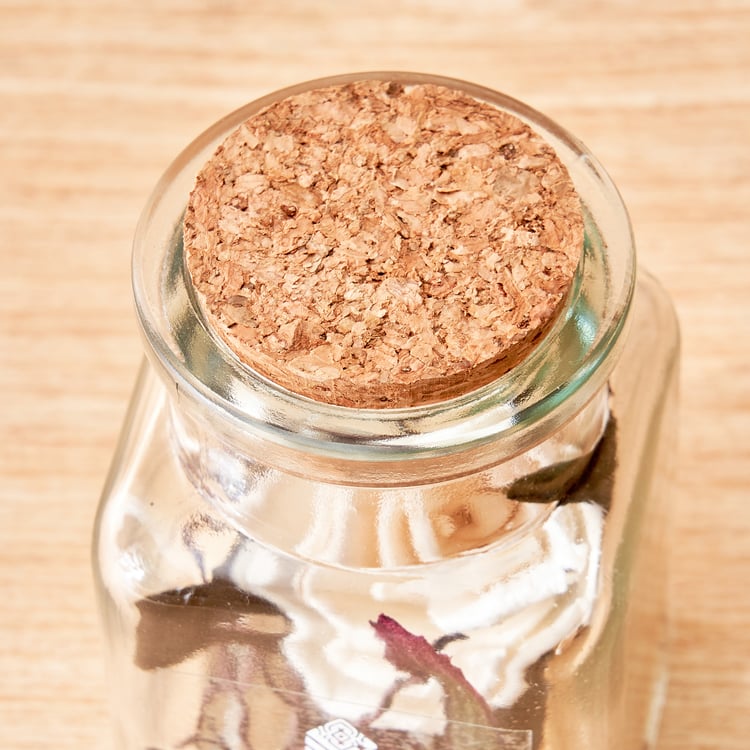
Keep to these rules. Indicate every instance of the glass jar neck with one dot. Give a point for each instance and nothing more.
(394, 446)
(383, 516)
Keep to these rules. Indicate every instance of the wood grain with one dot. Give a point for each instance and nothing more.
(96, 97)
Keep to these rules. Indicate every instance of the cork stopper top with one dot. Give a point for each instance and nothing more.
(378, 245)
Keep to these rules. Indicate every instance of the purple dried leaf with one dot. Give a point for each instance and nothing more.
(415, 655)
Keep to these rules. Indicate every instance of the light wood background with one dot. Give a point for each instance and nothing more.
(97, 97)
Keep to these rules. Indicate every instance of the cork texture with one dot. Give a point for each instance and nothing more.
(375, 245)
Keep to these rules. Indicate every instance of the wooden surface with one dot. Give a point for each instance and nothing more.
(97, 97)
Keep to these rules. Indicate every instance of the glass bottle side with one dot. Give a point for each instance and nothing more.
(489, 571)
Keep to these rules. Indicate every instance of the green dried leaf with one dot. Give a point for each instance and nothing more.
(589, 478)
(176, 624)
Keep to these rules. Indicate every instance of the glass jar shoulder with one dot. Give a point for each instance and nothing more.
(154, 531)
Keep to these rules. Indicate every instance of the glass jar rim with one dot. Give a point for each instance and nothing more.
(506, 416)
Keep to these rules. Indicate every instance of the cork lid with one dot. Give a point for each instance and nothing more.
(378, 245)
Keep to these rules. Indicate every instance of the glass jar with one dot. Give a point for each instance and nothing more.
(489, 571)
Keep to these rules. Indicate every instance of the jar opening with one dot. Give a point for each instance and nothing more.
(543, 392)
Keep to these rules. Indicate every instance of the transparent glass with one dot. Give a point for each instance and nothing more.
(275, 573)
